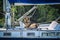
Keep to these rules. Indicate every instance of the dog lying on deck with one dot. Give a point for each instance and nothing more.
(29, 24)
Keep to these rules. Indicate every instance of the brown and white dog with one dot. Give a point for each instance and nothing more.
(28, 23)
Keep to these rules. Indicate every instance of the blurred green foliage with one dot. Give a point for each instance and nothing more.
(44, 13)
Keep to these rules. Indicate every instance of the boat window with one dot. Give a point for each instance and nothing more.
(58, 34)
(51, 34)
(30, 34)
(7, 34)
(44, 34)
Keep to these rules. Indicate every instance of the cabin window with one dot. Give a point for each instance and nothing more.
(7, 34)
(58, 34)
(51, 34)
(30, 34)
(44, 34)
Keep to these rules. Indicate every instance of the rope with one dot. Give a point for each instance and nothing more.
(33, 13)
